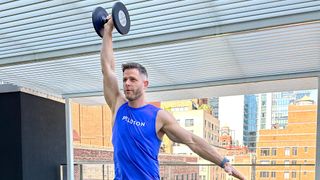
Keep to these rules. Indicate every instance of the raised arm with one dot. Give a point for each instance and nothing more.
(111, 90)
(198, 145)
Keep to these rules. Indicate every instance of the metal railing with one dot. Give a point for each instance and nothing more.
(182, 171)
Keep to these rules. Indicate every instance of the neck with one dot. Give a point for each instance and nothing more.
(137, 103)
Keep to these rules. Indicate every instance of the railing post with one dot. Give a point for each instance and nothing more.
(102, 171)
(61, 172)
(69, 134)
(300, 172)
(107, 171)
(253, 167)
(317, 166)
(81, 171)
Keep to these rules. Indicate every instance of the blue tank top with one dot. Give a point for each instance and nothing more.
(135, 142)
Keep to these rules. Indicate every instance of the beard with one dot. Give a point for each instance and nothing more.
(134, 95)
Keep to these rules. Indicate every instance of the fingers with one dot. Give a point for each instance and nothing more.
(108, 27)
(228, 169)
(109, 21)
(108, 17)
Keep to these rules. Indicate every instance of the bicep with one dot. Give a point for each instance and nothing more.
(175, 132)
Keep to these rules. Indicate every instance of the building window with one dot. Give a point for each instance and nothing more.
(195, 176)
(264, 162)
(294, 151)
(287, 151)
(274, 151)
(286, 162)
(264, 174)
(179, 109)
(175, 144)
(286, 175)
(305, 149)
(294, 174)
(189, 122)
(273, 174)
(294, 161)
(273, 162)
(265, 152)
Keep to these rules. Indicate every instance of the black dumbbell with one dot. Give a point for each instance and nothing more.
(120, 17)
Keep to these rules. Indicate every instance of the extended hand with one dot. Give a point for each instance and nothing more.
(228, 168)
(232, 171)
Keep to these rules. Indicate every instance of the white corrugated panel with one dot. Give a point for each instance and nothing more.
(33, 27)
(275, 51)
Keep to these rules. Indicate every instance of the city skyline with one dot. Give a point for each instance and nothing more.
(190, 114)
(232, 110)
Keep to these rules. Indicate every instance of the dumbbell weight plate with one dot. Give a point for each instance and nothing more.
(99, 18)
(121, 18)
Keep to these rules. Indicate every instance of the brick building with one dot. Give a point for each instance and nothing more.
(295, 144)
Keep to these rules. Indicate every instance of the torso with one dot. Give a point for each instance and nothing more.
(135, 139)
(159, 122)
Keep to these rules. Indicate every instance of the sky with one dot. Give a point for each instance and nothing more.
(231, 114)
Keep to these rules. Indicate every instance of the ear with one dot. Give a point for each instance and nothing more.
(145, 84)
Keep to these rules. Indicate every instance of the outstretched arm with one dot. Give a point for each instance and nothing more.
(110, 84)
(198, 145)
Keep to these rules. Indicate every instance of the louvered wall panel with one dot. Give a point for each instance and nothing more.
(31, 27)
(275, 51)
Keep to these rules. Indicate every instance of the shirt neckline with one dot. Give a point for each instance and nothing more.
(127, 103)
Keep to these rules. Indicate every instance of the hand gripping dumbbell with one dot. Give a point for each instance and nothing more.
(120, 17)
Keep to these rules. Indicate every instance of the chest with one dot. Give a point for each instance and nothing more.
(134, 124)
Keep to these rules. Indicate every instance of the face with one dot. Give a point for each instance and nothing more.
(134, 84)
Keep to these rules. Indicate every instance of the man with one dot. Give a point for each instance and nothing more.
(138, 127)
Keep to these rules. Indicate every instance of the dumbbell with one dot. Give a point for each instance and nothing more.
(120, 17)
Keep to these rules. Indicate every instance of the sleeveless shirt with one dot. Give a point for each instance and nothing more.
(136, 144)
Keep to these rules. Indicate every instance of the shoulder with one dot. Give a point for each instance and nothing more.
(120, 102)
(165, 117)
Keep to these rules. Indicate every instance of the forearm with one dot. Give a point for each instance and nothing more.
(204, 150)
(107, 57)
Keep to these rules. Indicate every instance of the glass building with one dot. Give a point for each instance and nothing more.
(214, 103)
(250, 121)
(280, 103)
